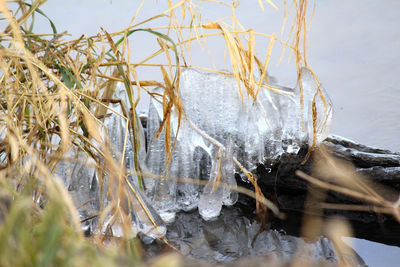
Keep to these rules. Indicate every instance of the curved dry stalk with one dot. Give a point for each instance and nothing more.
(53, 87)
(373, 197)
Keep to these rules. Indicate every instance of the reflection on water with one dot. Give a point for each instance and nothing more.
(232, 236)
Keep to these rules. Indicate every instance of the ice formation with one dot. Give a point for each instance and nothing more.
(219, 131)
(232, 236)
(219, 126)
(78, 172)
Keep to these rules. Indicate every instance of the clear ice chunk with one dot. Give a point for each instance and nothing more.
(182, 168)
(145, 219)
(221, 186)
(218, 125)
(78, 173)
(230, 196)
(160, 189)
(315, 95)
(212, 197)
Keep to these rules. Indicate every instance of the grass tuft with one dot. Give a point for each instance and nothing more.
(55, 94)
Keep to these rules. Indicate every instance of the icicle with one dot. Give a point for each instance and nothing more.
(323, 107)
(117, 129)
(253, 131)
(164, 197)
(230, 195)
(146, 219)
(130, 163)
(182, 167)
(155, 158)
(272, 121)
(212, 197)
(218, 124)
(80, 172)
(160, 190)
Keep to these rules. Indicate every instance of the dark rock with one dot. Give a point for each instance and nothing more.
(279, 183)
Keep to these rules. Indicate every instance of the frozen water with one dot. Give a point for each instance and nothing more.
(221, 132)
(220, 127)
(160, 190)
(232, 236)
(143, 213)
(229, 196)
(78, 172)
(316, 96)
(212, 197)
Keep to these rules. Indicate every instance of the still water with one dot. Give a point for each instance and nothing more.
(353, 47)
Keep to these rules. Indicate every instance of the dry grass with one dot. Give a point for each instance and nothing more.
(340, 176)
(53, 88)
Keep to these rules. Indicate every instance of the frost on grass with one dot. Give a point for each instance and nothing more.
(219, 125)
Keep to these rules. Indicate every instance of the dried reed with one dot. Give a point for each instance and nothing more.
(53, 88)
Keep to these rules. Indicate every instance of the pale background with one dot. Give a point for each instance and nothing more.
(353, 47)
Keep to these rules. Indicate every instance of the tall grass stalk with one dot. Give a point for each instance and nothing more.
(56, 92)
